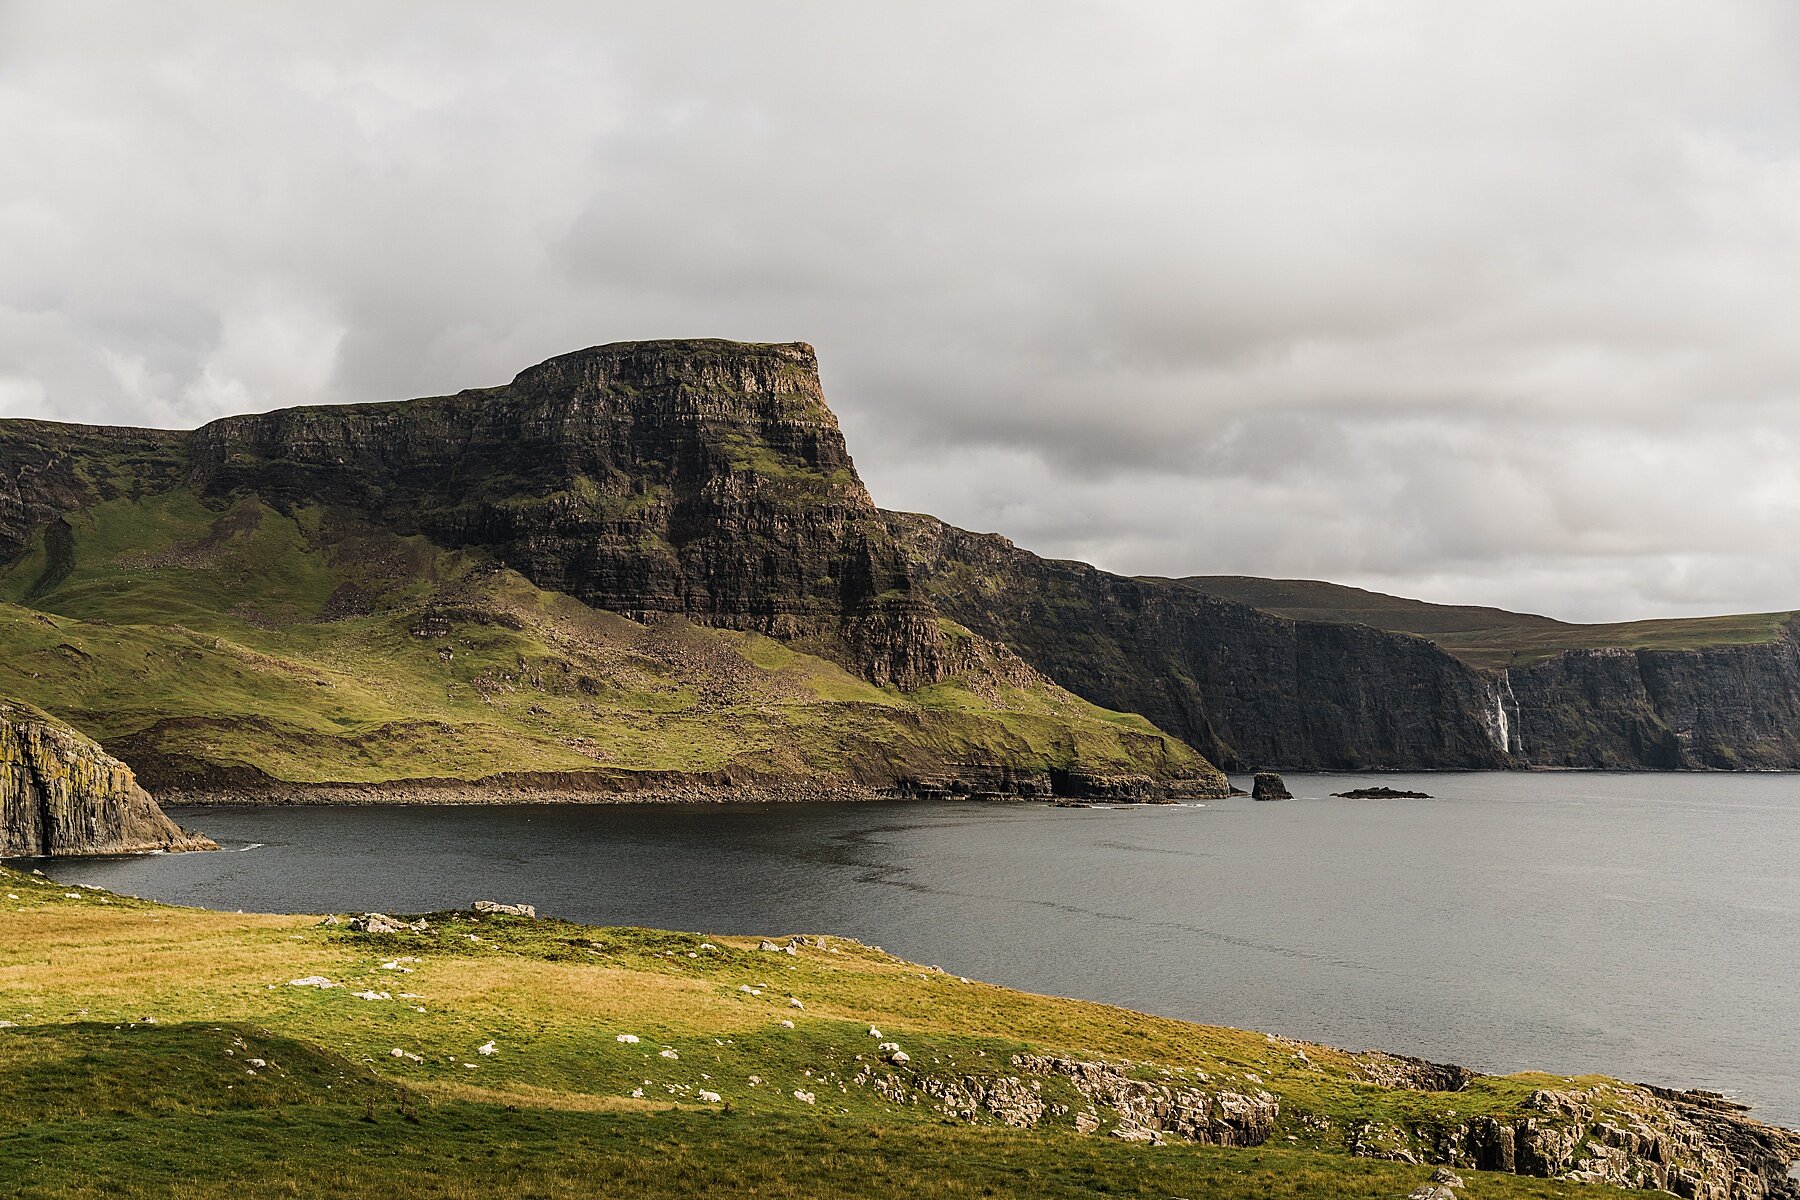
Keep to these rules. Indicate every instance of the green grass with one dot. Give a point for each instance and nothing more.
(159, 1051)
(203, 645)
(1489, 638)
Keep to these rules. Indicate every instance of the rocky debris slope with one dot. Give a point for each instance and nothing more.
(60, 794)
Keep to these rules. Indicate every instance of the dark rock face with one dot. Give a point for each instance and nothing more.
(60, 794)
(701, 478)
(1717, 708)
(1237, 684)
(1245, 687)
(1269, 786)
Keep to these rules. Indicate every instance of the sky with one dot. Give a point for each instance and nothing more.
(1481, 303)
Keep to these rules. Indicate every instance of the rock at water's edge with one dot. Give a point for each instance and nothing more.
(1269, 786)
(62, 795)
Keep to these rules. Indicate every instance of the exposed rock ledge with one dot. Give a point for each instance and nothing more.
(61, 795)
(733, 785)
(1696, 1145)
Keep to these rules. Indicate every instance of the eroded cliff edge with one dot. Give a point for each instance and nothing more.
(61, 795)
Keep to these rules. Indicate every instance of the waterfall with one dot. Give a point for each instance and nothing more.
(1505, 715)
(1502, 726)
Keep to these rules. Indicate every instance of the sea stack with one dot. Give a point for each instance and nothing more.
(1268, 786)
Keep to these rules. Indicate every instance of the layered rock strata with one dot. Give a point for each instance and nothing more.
(61, 795)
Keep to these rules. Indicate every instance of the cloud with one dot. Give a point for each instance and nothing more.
(1485, 304)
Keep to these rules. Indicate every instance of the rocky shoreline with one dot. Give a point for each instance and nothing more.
(625, 787)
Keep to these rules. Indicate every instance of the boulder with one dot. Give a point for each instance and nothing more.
(1269, 786)
(504, 910)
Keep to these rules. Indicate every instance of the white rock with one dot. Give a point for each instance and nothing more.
(505, 910)
(787, 1024)
(637, 1093)
(318, 981)
(257, 1062)
(899, 1058)
(371, 995)
(888, 1047)
(803, 1097)
(708, 946)
(630, 1039)
(669, 1054)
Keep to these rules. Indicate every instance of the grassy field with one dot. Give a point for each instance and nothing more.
(195, 643)
(1484, 637)
(156, 1051)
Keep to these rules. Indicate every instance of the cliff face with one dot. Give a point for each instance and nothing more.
(1251, 689)
(60, 794)
(702, 478)
(1717, 708)
(1244, 688)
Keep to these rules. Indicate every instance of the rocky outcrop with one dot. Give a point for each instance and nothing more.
(1691, 1144)
(60, 794)
(1269, 786)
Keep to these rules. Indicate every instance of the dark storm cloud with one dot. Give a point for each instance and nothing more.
(1477, 302)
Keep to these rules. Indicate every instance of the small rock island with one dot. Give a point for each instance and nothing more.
(1269, 786)
(1380, 793)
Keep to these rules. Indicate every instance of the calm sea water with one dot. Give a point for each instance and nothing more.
(1641, 925)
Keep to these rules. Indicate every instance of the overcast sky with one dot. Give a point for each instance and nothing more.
(1478, 302)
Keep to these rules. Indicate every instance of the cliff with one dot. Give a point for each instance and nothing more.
(645, 570)
(1246, 688)
(1250, 687)
(1732, 707)
(703, 478)
(61, 795)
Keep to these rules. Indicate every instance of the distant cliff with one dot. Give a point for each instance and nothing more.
(1731, 707)
(1249, 688)
(1245, 688)
(61, 795)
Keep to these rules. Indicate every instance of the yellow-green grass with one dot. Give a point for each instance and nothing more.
(129, 1068)
(1489, 638)
(195, 641)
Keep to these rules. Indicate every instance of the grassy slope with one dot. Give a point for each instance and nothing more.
(128, 1069)
(1484, 637)
(313, 650)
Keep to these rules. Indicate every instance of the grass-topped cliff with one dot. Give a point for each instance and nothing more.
(233, 649)
(494, 1054)
(1486, 637)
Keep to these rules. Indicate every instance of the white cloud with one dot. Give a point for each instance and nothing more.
(1483, 303)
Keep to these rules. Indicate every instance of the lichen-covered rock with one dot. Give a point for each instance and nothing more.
(61, 794)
